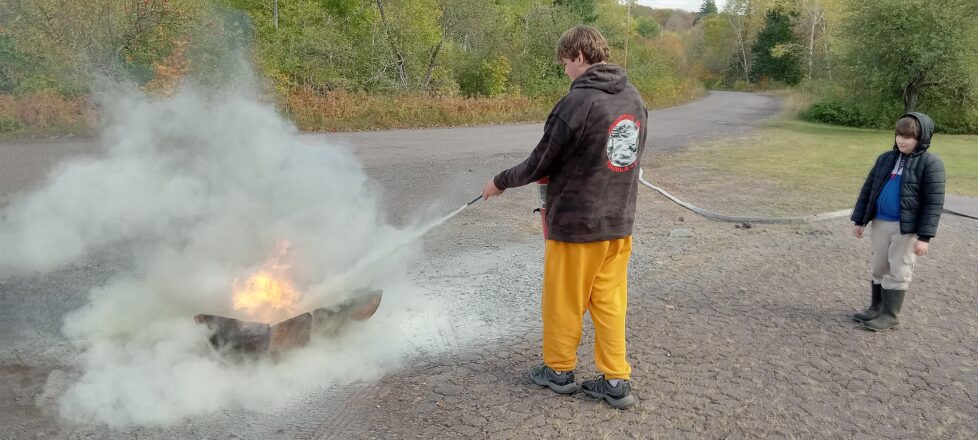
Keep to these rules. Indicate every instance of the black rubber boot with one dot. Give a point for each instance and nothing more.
(892, 302)
(562, 383)
(873, 311)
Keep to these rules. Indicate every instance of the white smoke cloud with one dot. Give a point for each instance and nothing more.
(200, 188)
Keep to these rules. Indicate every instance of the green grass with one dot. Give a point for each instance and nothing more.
(822, 165)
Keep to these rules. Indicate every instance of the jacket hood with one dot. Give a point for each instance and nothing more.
(608, 78)
(926, 131)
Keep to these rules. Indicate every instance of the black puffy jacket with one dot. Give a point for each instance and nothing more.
(921, 188)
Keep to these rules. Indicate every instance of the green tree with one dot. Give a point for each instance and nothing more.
(707, 8)
(319, 45)
(648, 27)
(414, 31)
(523, 31)
(914, 50)
(710, 48)
(814, 18)
(535, 69)
(775, 51)
(586, 10)
(12, 64)
(488, 78)
(65, 43)
(746, 18)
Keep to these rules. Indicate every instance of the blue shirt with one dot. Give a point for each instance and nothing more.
(888, 202)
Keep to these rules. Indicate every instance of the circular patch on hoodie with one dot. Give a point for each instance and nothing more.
(623, 144)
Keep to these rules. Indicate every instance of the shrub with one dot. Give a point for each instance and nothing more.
(832, 112)
(485, 78)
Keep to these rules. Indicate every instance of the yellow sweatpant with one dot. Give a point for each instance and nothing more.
(579, 277)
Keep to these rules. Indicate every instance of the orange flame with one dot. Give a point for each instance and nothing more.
(267, 295)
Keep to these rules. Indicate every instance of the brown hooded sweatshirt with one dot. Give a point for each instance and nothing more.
(591, 147)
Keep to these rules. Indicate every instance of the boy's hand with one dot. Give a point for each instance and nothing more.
(920, 248)
(490, 190)
(858, 231)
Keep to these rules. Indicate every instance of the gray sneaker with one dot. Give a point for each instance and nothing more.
(545, 376)
(618, 396)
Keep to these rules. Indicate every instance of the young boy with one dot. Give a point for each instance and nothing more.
(903, 197)
(590, 151)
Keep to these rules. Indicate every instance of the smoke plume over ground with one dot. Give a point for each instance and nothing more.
(201, 189)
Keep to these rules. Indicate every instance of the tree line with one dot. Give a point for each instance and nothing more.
(863, 60)
(866, 61)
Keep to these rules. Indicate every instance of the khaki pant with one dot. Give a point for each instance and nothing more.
(590, 277)
(893, 258)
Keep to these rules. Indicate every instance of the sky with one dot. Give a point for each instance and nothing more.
(689, 5)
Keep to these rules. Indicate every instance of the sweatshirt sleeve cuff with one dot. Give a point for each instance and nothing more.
(496, 181)
(924, 238)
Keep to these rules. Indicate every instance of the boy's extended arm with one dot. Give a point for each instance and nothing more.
(556, 143)
(931, 199)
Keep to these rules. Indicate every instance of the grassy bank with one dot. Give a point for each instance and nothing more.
(45, 114)
(807, 167)
(341, 111)
(48, 114)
